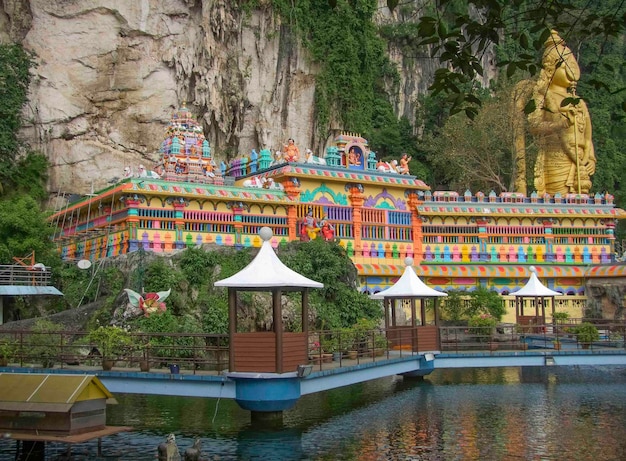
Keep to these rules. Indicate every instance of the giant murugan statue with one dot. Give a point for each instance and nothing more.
(566, 159)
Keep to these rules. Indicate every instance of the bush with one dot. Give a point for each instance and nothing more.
(110, 340)
(586, 333)
(560, 316)
(484, 301)
(44, 343)
(171, 346)
(482, 324)
(452, 307)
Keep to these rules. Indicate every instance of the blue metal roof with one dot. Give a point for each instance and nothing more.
(28, 290)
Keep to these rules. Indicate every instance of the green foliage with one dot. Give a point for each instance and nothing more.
(110, 340)
(75, 285)
(363, 333)
(338, 304)
(484, 301)
(162, 275)
(8, 348)
(481, 324)
(30, 176)
(215, 315)
(355, 71)
(464, 158)
(453, 307)
(23, 229)
(197, 264)
(586, 332)
(44, 343)
(15, 65)
(170, 346)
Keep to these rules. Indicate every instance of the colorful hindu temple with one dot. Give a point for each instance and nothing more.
(378, 213)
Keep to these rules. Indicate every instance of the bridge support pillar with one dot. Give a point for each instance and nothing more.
(427, 366)
(266, 395)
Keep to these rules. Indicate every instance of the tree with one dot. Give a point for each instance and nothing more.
(459, 36)
(476, 154)
(338, 304)
(24, 229)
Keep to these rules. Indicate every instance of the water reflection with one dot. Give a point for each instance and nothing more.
(479, 414)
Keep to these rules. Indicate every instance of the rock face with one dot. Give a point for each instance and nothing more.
(110, 72)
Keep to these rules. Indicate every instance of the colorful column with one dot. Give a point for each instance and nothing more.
(237, 208)
(549, 237)
(133, 222)
(292, 190)
(483, 255)
(355, 194)
(416, 225)
(179, 223)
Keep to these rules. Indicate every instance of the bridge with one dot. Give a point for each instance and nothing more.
(267, 395)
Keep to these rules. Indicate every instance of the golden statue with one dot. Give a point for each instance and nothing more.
(566, 159)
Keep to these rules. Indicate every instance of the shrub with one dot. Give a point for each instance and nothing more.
(484, 301)
(110, 340)
(44, 343)
(452, 307)
(482, 324)
(586, 333)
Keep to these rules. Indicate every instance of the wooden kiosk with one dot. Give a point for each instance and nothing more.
(534, 292)
(419, 336)
(274, 351)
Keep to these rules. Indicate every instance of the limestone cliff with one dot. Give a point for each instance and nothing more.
(110, 72)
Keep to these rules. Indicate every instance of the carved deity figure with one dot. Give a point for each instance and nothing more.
(404, 164)
(327, 229)
(309, 228)
(566, 159)
(291, 153)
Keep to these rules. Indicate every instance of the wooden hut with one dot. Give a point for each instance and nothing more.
(420, 336)
(273, 351)
(534, 292)
(52, 404)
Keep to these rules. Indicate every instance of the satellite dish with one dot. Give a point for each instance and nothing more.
(39, 267)
(84, 264)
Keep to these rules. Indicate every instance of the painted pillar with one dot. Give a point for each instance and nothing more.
(179, 224)
(292, 190)
(549, 238)
(236, 209)
(610, 230)
(292, 223)
(483, 255)
(357, 198)
(133, 222)
(416, 225)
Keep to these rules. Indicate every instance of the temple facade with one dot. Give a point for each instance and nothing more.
(378, 213)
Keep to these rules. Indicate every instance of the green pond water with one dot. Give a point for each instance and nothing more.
(551, 413)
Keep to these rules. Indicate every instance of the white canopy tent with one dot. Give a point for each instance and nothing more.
(537, 291)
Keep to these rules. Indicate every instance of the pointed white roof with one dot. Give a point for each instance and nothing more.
(266, 271)
(534, 287)
(408, 286)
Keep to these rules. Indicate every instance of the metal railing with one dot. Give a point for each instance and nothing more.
(20, 275)
(193, 351)
(326, 348)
